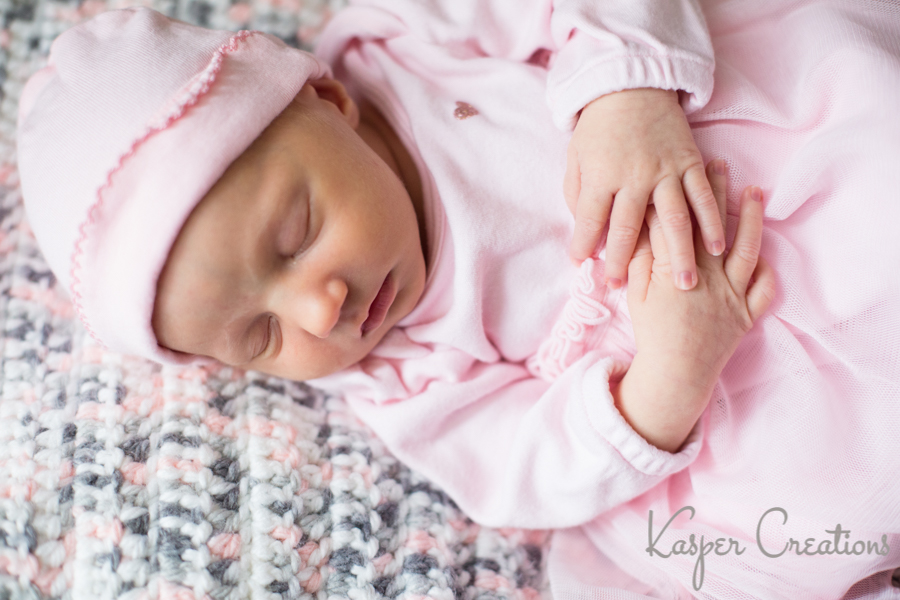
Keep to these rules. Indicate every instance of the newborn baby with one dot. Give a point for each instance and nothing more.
(389, 219)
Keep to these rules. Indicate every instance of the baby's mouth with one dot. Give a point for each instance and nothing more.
(379, 308)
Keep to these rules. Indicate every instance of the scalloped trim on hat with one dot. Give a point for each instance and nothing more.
(174, 109)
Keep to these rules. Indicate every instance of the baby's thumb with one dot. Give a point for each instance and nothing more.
(761, 290)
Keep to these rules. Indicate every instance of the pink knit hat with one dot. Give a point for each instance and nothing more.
(132, 122)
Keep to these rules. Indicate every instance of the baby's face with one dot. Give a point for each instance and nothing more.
(277, 266)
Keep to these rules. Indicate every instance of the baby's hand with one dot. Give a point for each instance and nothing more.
(691, 335)
(636, 146)
(684, 339)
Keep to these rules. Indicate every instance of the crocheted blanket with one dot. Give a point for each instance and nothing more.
(120, 478)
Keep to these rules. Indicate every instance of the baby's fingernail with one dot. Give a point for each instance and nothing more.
(719, 167)
(685, 280)
(614, 283)
(717, 247)
(756, 194)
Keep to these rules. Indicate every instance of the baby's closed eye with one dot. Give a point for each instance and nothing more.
(294, 229)
(261, 338)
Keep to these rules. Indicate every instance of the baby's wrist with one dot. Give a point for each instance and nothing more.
(661, 404)
(632, 97)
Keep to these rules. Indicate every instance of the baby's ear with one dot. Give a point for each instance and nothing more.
(332, 90)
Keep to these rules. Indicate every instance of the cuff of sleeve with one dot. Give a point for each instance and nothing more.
(598, 411)
(575, 80)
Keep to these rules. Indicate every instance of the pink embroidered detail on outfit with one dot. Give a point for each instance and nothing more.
(464, 110)
(583, 311)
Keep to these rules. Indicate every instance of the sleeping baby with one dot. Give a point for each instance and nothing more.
(498, 229)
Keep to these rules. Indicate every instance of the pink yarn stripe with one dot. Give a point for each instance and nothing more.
(171, 112)
(582, 312)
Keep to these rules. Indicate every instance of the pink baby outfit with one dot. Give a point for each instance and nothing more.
(496, 385)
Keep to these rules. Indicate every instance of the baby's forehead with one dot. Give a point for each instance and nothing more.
(200, 306)
(208, 268)
(216, 266)
(227, 223)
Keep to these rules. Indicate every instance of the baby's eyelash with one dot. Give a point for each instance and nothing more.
(306, 234)
(269, 337)
(304, 239)
(303, 245)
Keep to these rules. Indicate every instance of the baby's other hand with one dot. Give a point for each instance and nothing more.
(635, 146)
(691, 335)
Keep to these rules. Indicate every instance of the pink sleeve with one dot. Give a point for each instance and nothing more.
(625, 44)
(511, 450)
(595, 47)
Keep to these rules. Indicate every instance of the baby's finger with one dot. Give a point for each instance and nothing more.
(657, 239)
(590, 219)
(717, 172)
(640, 267)
(762, 290)
(676, 223)
(624, 227)
(742, 258)
(700, 195)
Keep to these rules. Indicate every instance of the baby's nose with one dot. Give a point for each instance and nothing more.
(317, 310)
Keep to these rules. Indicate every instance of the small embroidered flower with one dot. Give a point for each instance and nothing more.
(464, 110)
